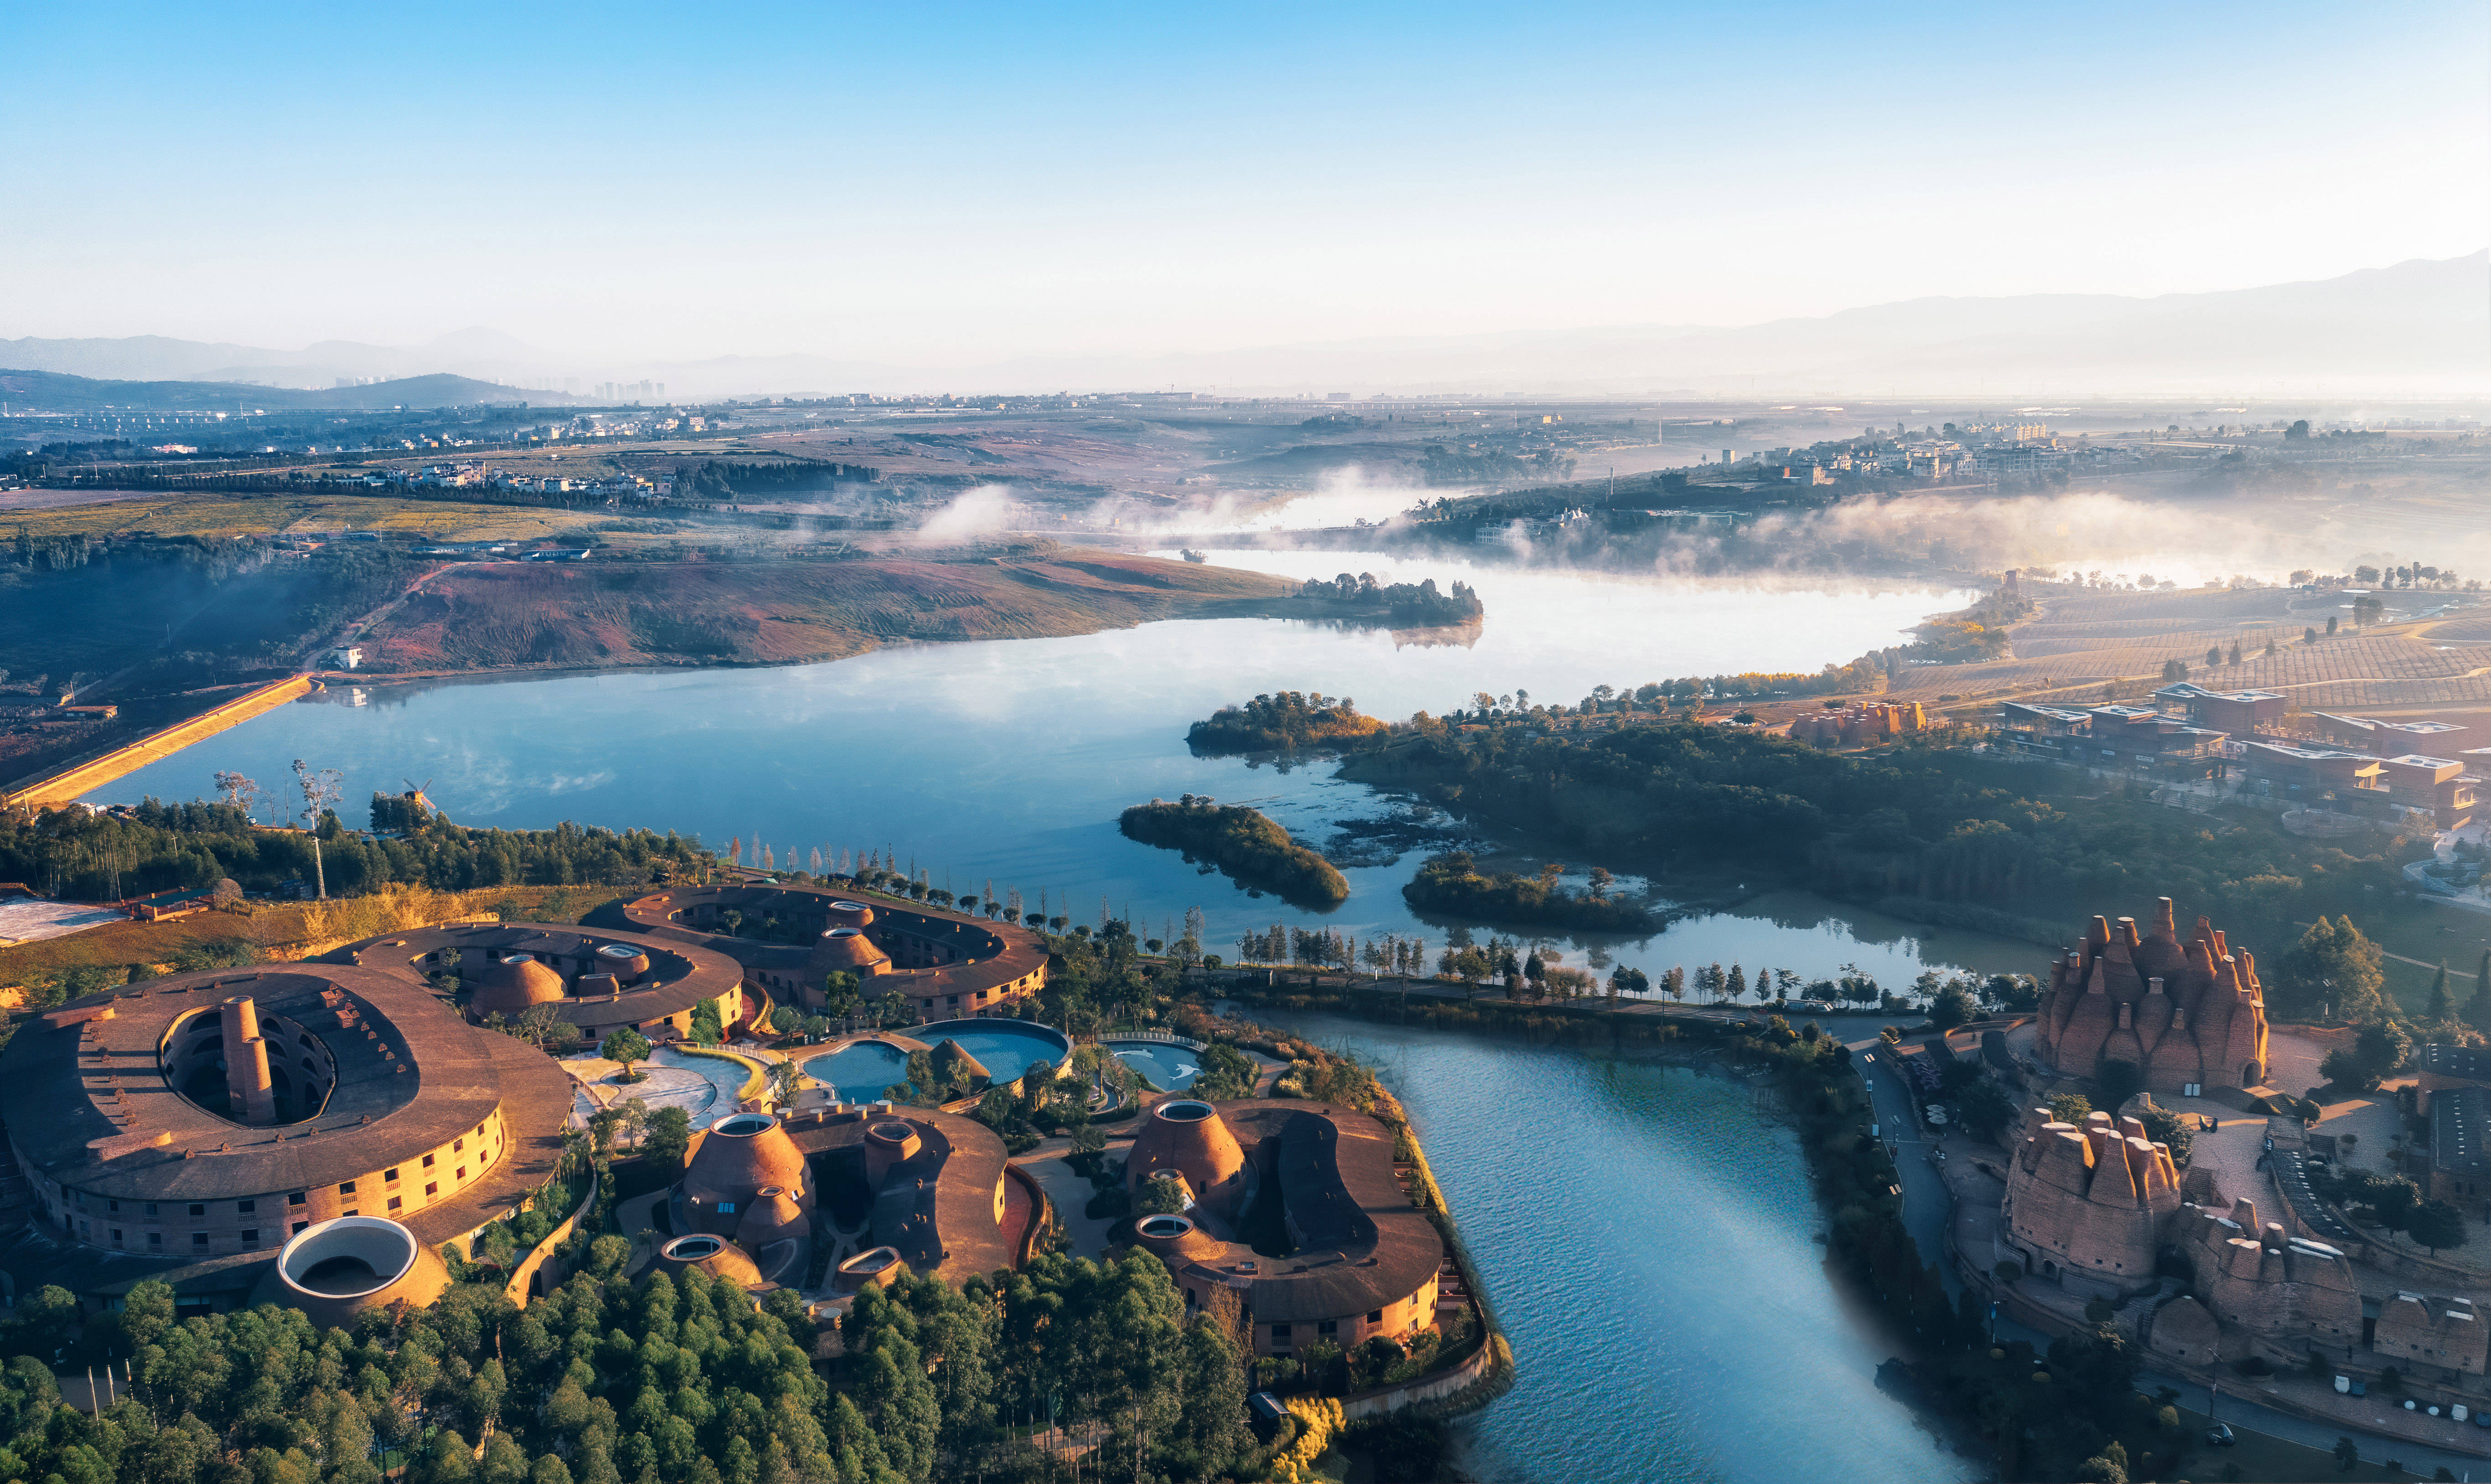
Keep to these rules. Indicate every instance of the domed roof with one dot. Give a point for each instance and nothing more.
(1175, 1239)
(1187, 1136)
(845, 914)
(845, 947)
(715, 1256)
(952, 1054)
(509, 987)
(773, 1216)
(740, 1154)
(889, 1141)
(873, 1267)
(335, 1269)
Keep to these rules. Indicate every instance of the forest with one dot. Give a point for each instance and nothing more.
(1243, 843)
(157, 847)
(1451, 885)
(1416, 603)
(1286, 721)
(613, 1382)
(1943, 827)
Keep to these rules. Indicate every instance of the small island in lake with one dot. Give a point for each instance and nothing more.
(1417, 604)
(1291, 721)
(1246, 846)
(1450, 883)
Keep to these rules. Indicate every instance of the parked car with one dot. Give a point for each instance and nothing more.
(2219, 1435)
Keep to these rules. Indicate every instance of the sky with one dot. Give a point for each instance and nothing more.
(915, 184)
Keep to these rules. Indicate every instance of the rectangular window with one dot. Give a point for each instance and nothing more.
(299, 1227)
(390, 1176)
(112, 1205)
(150, 1208)
(116, 1236)
(350, 1214)
(479, 1131)
(460, 1173)
(1375, 1316)
(346, 1188)
(294, 1198)
(428, 1161)
(154, 1239)
(458, 1145)
(246, 1207)
(1328, 1326)
(1279, 1331)
(395, 1202)
(197, 1210)
(432, 1187)
(200, 1242)
(249, 1237)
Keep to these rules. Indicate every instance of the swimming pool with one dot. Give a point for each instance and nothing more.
(1167, 1067)
(1005, 1048)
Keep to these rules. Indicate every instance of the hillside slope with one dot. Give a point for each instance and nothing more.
(505, 615)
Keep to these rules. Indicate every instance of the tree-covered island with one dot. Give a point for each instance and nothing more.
(1246, 846)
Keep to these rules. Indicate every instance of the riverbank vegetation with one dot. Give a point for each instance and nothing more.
(1451, 885)
(1288, 721)
(1244, 843)
(157, 846)
(1918, 824)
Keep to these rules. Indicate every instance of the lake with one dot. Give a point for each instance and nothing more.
(1650, 1247)
(1003, 766)
(1648, 1242)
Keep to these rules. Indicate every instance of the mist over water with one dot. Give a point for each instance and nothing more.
(1009, 762)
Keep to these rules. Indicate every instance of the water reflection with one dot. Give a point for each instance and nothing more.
(1650, 1245)
(1003, 765)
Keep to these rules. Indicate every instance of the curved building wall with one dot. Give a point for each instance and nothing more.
(948, 964)
(411, 1111)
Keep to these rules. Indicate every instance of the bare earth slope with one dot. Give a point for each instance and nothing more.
(597, 615)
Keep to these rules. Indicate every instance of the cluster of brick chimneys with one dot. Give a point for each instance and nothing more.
(2107, 1165)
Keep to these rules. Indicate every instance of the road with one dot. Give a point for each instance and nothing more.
(1928, 1209)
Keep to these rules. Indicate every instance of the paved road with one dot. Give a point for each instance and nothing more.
(1928, 1209)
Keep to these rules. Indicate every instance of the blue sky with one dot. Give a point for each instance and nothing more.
(929, 182)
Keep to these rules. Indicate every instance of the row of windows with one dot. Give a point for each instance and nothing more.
(249, 1237)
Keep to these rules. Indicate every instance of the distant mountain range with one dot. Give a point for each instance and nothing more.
(55, 391)
(2418, 328)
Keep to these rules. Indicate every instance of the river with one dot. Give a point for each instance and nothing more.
(1650, 1250)
(1648, 1242)
(1003, 765)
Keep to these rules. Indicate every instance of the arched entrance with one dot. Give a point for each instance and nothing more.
(2250, 1074)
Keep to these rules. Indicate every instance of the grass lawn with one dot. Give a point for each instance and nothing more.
(211, 514)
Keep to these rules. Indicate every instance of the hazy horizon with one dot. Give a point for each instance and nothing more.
(628, 188)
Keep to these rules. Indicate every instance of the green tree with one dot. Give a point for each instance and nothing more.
(2477, 1005)
(626, 1047)
(2442, 1008)
(1953, 1007)
(1987, 1111)
(2332, 967)
(838, 994)
(2346, 1454)
(2435, 1224)
(2069, 1108)
(670, 1134)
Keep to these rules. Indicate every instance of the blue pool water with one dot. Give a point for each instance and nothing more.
(1165, 1067)
(1005, 1048)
